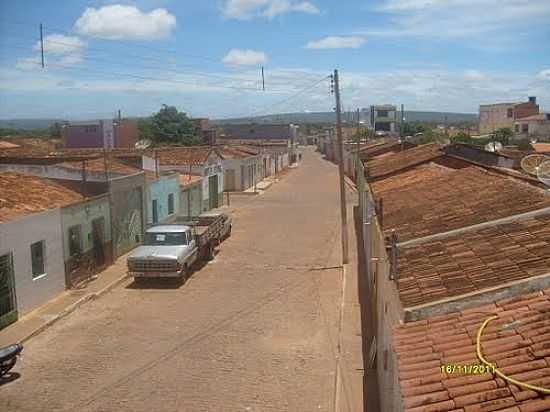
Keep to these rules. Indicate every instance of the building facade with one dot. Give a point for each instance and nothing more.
(535, 126)
(105, 134)
(162, 199)
(383, 118)
(503, 115)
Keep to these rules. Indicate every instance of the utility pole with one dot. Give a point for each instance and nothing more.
(263, 79)
(42, 44)
(343, 210)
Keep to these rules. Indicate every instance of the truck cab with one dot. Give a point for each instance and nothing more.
(167, 251)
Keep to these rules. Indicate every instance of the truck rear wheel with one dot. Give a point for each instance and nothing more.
(210, 251)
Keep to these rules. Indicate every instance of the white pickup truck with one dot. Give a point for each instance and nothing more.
(171, 250)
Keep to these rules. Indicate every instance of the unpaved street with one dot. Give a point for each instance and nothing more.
(255, 330)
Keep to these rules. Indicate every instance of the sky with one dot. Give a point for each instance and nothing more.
(206, 57)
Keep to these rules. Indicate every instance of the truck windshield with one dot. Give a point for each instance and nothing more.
(165, 239)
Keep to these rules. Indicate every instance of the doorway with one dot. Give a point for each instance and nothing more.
(98, 240)
(213, 192)
(8, 306)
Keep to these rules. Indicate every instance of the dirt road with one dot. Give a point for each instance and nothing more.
(255, 330)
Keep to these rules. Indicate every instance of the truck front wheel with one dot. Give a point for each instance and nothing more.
(210, 252)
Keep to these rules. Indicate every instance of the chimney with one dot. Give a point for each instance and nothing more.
(533, 99)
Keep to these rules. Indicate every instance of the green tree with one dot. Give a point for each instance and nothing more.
(462, 137)
(145, 129)
(169, 126)
(503, 135)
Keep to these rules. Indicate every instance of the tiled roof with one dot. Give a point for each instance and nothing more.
(186, 180)
(177, 156)
(448, 201)
(417, 175)
(237, 151)
(517, 343)
(535, 117)
(541, 147)
(377, 168)
(473, 260)
(7, 145)
(98, 165)
(22, 195)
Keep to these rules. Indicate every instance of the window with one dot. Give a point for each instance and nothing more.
(155, 212)
(510, 113)
(517, 128)
(382, 113)
(75, 240)
(37, 258)
(525, 127)
(170, 203)
(165, 239)
(90, 129)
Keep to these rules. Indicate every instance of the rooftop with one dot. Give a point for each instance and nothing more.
(473, 260)
(425, 201)
(518, 343)
(177, 156)
(39, 195)
(541, 147)
(98, 165)
(541, 117)
(186, 180)
(237, 151)
(7, 145)
(378, 168)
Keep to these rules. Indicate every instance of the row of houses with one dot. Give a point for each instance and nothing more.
(451, 242)
(67, 214)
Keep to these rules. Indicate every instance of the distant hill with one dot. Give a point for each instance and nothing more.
(296, 118)
(330, 117)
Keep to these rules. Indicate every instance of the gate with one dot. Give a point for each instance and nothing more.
(8, 306)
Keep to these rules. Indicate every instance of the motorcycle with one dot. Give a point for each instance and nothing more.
(8, 357)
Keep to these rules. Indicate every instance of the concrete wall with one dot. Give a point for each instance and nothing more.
(16, 237)
(243, 169)
(496, 116)
(385, 306)
(213, 167)
(126, 133)
(191, 200)
(159, 190)
(128, 211)
(84, 214)
(57, 172)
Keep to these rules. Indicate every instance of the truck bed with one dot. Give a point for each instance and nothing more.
(206, 228)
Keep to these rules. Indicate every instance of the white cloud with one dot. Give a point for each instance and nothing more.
(28, 63)
(544, 74)
(116, 22)
(245, 57)
(60, 44)
(247, 9)
(463, 19)
(337, 42)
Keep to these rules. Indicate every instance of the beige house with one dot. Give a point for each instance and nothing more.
(537, 125)
(503, 115)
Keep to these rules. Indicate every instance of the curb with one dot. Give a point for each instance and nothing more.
(72, 307)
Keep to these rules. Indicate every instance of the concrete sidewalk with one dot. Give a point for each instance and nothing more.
(41, 318)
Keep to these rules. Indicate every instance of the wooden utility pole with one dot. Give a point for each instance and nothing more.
(343, 210)
(42, 44)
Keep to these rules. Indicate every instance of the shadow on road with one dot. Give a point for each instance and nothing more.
(157, 283)
(370, 381)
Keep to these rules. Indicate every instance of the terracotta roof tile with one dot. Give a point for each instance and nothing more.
(427, 389)
(480, 264)
(98, 165)
(177, 156)
(402, 160)
(39, 195)
(448, 200)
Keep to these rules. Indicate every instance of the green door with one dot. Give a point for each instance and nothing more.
(8, 307)
(213, 191)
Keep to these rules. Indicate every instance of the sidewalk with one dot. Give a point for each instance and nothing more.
(41, 318)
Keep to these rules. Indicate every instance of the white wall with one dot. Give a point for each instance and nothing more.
(16, 236)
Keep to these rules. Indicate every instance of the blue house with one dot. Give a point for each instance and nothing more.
(162, 197)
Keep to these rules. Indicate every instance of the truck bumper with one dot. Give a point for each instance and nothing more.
(155, 274)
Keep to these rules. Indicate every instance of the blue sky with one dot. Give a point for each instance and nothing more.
(205, 57)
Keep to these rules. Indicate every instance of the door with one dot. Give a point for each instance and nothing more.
(8, 307)
(229, 180)
(213, 191)
(155, 211)
(98, 240)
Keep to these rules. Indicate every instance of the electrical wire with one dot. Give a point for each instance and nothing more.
(493, 366)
